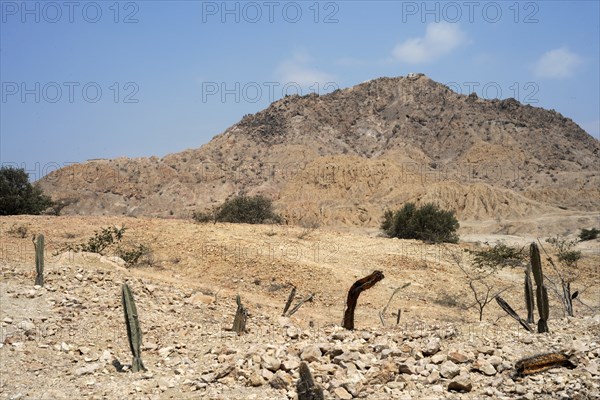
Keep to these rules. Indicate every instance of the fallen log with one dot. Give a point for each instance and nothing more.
(541, 363)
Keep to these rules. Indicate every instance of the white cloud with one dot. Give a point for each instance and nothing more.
(298, 70)
(440, 39)
(557, 63)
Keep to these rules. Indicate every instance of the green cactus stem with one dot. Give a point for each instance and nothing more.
(39, 259)
(134, 333)
(541, 293)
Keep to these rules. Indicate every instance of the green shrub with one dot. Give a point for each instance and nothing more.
(428, 223)
(108, 240)
(588, 234)
(203, 217)
(242, 209)
(18, 196)
(102, 240)
(135, 254)
(499, 255)
(565, 252)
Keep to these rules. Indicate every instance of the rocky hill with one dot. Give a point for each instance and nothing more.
(346, 156)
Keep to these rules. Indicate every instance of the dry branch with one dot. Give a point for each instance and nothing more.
(297, 306)
(289, 301)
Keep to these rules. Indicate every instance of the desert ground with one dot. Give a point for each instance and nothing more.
(67, 339)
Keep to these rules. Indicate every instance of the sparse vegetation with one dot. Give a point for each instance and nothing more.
(241, 209)
(480, 282)
(102, 239)
(566, 272)
(564, 251)
(58, 205)
(588, 234)
(203, 216)
(428, 223)
(497, 256)
(308, 227)
(110, 238)
(18, 196)
(19, 231)
(136, 254)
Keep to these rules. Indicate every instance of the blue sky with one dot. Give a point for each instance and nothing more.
(84, 80)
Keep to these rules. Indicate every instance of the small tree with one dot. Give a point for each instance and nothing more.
(428, 223)
(18, 196)
(567, 273)
(247, 210)
(479, 282)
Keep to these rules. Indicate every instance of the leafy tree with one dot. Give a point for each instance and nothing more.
(428, 223)
(18, 196)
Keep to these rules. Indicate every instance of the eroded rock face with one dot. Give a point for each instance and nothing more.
(377, 144)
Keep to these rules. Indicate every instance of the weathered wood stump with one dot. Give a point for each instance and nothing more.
(239, 322)
(359, 286)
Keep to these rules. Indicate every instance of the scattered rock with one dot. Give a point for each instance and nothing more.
(166, 351)
(449, 370)
(432, 347)
(255, 379)
(87, 369)
(342, 394)
(439, 358)
(310, 353)
(457, 357)
(484, 366)
(461, 383)
(271, 363)
(280, 380)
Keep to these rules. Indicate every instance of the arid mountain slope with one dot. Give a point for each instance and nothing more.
(346, 156)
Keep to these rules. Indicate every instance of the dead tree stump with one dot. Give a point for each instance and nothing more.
(359, 286)
(289, 301)
(306, 388)
(239, 322)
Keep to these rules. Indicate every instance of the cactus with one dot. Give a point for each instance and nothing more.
(134, 333)
(39, 259)
(306, 387)
(512, 313)
(541, 293)
(529, 299)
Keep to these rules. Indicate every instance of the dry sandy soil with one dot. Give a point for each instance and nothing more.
(186, 301)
